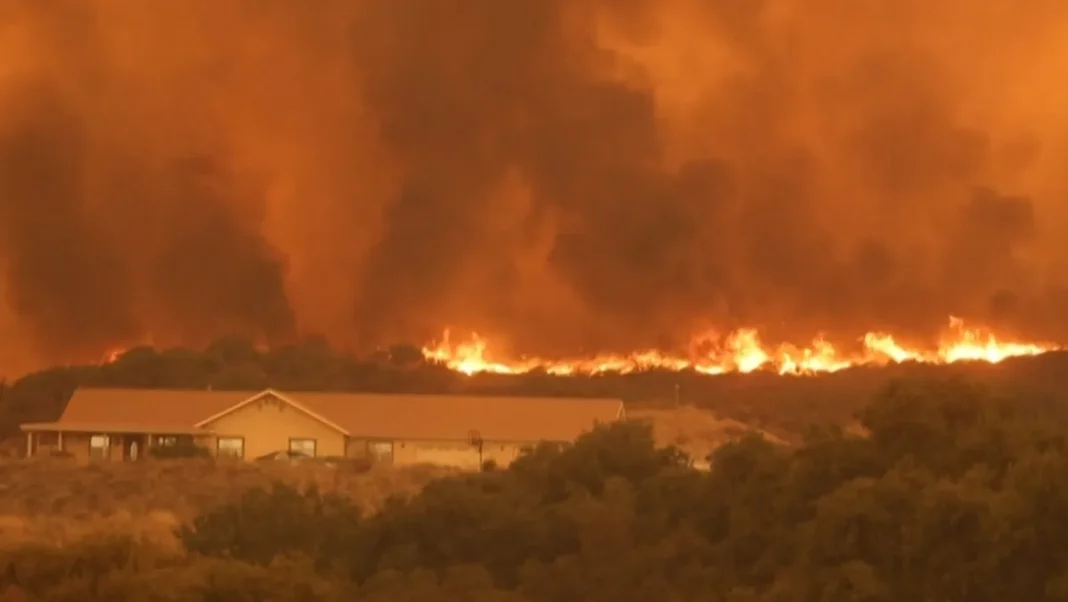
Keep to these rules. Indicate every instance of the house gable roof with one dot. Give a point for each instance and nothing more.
(136, 407)
(372, 416)
(206, 423)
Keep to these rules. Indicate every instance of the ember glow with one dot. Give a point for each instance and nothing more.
(743, 351)
(113, 355)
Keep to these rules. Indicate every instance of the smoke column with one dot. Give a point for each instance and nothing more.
(564, 176)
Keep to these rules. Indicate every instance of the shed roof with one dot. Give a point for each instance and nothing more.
(387, 416)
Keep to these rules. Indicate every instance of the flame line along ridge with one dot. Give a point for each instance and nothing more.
(742, 351)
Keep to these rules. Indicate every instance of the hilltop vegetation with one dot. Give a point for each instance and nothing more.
(57, 500)
(783, 405)
(956, 495)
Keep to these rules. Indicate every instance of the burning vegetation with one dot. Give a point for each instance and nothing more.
(742, 351)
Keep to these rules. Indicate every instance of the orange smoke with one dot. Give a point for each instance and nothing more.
(572, 176)
(743, 351)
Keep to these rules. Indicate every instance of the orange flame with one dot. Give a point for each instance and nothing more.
(112, 355)
(742, 351)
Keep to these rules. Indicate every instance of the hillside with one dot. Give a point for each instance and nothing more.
(783, 405)
(955, 496)
(55, 500)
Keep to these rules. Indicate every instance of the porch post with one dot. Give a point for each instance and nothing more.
(59, 440)
(29, 444)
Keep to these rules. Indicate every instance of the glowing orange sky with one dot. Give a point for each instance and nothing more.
(566, 177)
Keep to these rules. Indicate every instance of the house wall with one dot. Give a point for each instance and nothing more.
(356, 448)
(208, 442)
(269, 423)
(77, 445)
(43, 443)
(442, 453)
(115, 445)
(504, 453)
(460, 454)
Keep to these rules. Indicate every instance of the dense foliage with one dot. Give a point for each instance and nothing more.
(782, 404)
(182, 450)
(955, 495)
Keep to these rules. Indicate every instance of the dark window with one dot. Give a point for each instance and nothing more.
(304, 447)
(173, 441)
(381, 451)
(99, 447)
(231, 447)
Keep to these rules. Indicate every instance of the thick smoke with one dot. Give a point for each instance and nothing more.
(562, 175)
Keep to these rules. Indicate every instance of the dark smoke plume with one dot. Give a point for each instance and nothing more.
(563, 176)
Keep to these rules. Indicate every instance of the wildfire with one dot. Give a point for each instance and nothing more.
(112, 355)
(743, 351)
(738, 351)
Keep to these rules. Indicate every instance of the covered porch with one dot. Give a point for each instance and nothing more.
(107, 442)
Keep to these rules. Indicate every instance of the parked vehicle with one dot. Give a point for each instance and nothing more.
(284, 456)
(295, 457)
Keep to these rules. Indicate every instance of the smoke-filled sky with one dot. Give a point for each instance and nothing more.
(561, 175)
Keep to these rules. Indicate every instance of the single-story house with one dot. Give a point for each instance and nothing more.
(452, 430)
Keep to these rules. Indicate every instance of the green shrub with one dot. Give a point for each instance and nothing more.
(35, 568)
(264, 524)
(129, 572)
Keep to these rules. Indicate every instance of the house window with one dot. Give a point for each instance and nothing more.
(302, 446)
(231, 447)
(99, 446)
(381, 451)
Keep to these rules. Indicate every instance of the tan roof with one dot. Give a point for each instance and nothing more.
(362, 415)
(154, 428)
(454, 416)
(135, 407)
